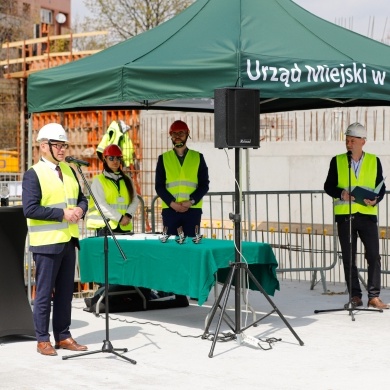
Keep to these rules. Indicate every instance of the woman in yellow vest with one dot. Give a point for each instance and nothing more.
(115, 193)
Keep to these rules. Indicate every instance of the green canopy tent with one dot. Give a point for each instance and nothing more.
(297, 61)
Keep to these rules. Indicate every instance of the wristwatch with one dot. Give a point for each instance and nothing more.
(192, 201)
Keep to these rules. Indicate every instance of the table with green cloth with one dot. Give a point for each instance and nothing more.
(187, 269)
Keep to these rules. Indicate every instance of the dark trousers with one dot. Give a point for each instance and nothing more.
(367, 229)
(188, 220)
(54, 277)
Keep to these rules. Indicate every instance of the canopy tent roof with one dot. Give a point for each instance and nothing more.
(296, 59)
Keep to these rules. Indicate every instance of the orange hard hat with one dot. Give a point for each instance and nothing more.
(112, 150)
(178, 126)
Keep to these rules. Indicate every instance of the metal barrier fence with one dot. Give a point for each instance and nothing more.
(11, 192)
(299, 225)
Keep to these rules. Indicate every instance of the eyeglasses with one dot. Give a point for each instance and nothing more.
(179, 133)
(114, 158)
(59, 146)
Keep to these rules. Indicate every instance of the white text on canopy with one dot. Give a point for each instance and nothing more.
(341, 74)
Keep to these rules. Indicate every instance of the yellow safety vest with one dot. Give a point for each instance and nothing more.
(55, 194)
(118, 200)
(366, 179)
(114, 136)
(181, 180)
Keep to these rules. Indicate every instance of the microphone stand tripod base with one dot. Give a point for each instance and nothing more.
(350, 308)
(108, 348)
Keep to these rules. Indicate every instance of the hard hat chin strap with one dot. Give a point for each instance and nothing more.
(51, 152)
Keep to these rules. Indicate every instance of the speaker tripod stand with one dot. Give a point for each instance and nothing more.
(235, 273)
(107, 345)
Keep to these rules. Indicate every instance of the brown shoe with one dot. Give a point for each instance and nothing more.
(70, 344)
(45, 348)
(377, 303)
(355, 302)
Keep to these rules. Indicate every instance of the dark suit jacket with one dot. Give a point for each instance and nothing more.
(31, 199)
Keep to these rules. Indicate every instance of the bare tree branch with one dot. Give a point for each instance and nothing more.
(127, 18)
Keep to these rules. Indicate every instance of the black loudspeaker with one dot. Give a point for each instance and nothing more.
(236, 118)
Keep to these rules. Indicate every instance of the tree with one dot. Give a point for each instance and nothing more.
(99, 42)
(10, 24)
(127, 18)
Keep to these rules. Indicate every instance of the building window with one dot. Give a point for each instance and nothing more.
(46, 16)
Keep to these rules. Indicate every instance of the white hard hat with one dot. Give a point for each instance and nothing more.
(356, 130)
(52, 131)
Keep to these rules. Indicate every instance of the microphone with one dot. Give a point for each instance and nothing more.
(349, 156)
(70, 159)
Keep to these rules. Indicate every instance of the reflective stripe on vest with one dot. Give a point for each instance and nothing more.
(55, 194)
(118, 200)
(181, 180)
(120, 139)
(366, 179)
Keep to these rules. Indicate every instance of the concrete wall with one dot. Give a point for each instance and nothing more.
(295, 164)
(280, 165)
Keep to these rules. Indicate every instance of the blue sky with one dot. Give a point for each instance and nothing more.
(367, 17)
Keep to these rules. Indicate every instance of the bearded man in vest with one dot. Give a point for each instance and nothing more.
(182, 180)
(365, 170)
(53, 204)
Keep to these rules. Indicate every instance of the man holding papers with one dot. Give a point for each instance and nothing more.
(367, 184)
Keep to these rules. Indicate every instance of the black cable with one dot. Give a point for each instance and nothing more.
(224, 337)
(141, 323)
(269, 341)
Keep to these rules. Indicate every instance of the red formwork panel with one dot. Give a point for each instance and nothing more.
(85, 130)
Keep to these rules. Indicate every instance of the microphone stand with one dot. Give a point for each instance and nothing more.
(349, 306)
(107, 345)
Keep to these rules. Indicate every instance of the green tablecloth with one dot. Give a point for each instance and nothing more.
(187, 269)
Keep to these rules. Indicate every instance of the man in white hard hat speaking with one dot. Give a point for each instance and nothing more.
(358, 168)
(53, 204)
